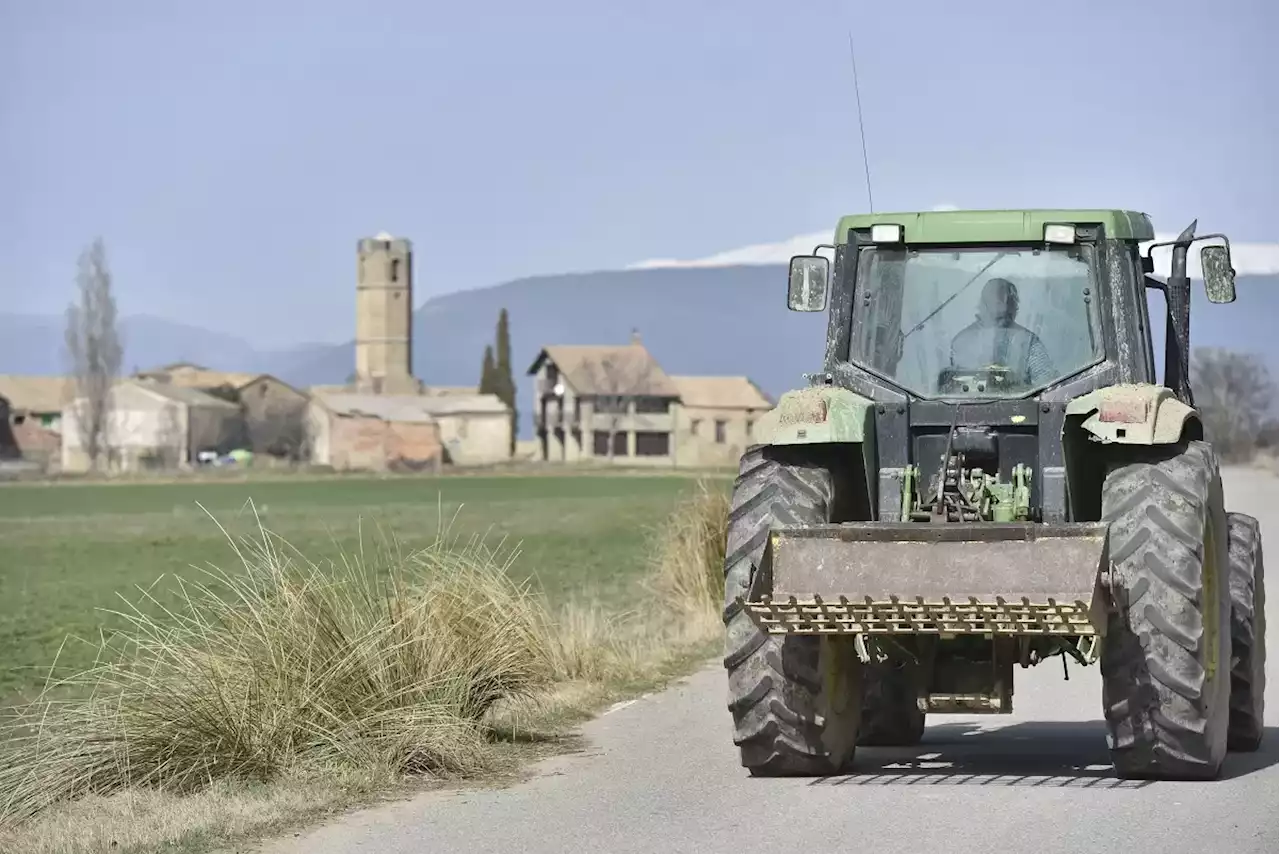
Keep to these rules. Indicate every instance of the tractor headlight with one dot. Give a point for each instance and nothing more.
(1059, 233)
(886, 233)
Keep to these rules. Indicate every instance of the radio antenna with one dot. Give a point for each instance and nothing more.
(866, 165)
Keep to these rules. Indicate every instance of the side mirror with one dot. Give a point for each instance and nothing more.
(807, 283)
(1219, 277)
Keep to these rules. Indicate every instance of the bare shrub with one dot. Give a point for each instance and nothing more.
(1235, 394)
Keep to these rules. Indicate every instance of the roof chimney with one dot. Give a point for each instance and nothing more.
(635, 336)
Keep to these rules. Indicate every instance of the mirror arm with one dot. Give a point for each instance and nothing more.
(1177, 341)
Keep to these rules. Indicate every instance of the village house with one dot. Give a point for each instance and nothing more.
(470, 429)
(274, 412)
(617, 403)
(474, 428)
(32, 410)
(603, 403)
(372, 432)
(151, 425)
(715, 418)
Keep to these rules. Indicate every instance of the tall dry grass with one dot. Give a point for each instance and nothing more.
(381, 665)
(386, 663)
(688, 573)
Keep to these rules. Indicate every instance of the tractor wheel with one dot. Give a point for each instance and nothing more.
(795, 698)
(1248, 634)
(1166, 661)
(890, 714)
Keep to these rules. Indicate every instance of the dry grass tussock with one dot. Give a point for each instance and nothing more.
(688, 574)
(272, 691)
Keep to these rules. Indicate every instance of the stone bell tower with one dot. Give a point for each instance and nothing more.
(384, 316)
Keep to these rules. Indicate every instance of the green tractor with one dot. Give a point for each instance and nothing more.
(986, 473)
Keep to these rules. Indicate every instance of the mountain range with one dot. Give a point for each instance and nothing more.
(705, 320)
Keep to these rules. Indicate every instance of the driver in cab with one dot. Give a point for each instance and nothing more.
(995, 339)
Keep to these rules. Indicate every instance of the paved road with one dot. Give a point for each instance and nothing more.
(661, 775)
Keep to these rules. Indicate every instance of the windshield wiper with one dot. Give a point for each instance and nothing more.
(948, 300)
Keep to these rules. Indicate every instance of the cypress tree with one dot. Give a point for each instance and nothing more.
(487, 372)
(504, 381)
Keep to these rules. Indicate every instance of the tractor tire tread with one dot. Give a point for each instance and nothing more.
(775, 682)
(1165, 716)
(1248, 634)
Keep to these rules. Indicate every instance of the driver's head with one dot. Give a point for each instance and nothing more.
(999, 303)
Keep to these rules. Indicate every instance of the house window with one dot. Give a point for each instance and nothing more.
(612, 404)
(721, 425)
(693, 426)
(653, 405)
(750, 424)
(600, 443)
(652, 444)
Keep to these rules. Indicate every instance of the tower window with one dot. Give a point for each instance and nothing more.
(395, 269)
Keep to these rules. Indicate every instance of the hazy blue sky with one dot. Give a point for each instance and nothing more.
(232, 153)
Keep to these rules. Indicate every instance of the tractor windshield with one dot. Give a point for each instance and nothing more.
(983, 322)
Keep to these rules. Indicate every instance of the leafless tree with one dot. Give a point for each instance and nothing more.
(95, 350)
(1235, 395)
(615, 382)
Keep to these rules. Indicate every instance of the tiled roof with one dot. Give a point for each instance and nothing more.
(721, 393)
(628, 369)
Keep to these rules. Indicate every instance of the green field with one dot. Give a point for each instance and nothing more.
(67, 550)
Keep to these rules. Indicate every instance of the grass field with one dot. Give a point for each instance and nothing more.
(66, 551)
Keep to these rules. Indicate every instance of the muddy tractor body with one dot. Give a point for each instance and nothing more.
(986, 474)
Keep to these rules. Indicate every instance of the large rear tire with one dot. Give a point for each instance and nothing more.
(1248, 634)
(891, 715)
(1166, 660)
(795, 699)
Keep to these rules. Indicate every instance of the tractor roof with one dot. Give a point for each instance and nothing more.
(998, 226)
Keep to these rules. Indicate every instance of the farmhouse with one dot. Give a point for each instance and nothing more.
(617, 403)
(603, 402)
(715, 418)
(151, 425)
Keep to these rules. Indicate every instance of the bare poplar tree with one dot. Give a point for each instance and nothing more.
(615, 382)
(95, 350)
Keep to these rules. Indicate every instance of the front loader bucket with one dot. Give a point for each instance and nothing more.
(947, 579)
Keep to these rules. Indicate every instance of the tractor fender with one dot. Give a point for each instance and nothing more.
(817, 415)
(1133, 414)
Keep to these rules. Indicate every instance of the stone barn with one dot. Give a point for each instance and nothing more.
(373, 432)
